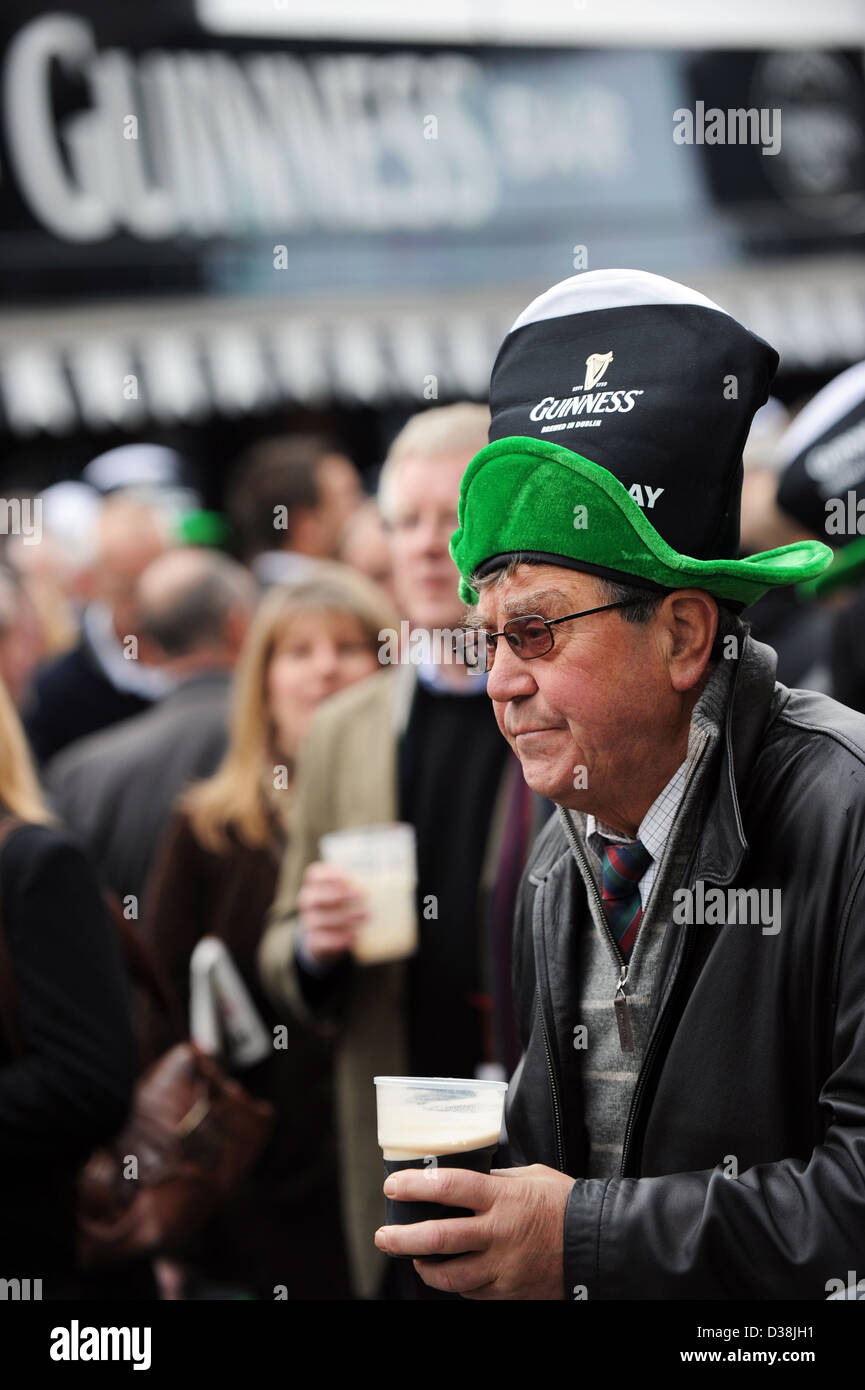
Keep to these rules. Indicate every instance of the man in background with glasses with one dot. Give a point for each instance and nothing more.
(689, 947)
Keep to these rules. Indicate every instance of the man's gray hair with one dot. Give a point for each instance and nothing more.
(185, 597)
(434, 433)
(643, 603)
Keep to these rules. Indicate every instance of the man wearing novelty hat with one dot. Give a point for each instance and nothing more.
(689, 948)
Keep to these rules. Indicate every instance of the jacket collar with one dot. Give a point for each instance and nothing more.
(191, 687)
(723, 845)
(402, 690)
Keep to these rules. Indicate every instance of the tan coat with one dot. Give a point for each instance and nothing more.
(347, 776)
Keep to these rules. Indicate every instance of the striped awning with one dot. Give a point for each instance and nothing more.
(160, 362)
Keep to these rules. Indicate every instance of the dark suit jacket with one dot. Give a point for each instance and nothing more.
(115, 790)
(70, 1090)
(73, 697)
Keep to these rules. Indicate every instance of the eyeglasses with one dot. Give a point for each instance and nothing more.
(527, 637)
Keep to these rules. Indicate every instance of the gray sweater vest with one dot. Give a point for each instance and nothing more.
(609, 1074)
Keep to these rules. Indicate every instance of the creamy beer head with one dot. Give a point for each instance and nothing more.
(423, 1115)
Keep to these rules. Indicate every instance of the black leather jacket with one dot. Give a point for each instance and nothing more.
(755, 1061)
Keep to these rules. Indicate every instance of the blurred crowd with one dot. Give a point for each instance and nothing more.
(189, 700)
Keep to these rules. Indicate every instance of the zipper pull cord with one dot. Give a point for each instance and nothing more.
(623, 1013)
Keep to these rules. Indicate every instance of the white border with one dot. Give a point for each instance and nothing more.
(577, 23)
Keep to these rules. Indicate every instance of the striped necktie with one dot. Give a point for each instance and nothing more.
(622, 868)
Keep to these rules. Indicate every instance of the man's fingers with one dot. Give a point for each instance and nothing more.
(330, 898)
(332, 931)
(331, 924)
(332, 916)
(454, 1187)
(447, 1237)
(323, 875)
(470, 1277)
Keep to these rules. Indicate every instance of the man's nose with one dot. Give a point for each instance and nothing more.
(434, 533)
(509, 676)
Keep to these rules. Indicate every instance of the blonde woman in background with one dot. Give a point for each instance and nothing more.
(216, 875)
(68, 1057)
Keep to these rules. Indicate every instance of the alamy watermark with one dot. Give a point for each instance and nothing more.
(20, 1290)
(21, 516)
(845, 516)
(737, 126)
(715, 907)
(77, 1343)
(421, 646)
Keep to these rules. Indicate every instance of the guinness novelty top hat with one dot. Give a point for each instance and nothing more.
(620, 405)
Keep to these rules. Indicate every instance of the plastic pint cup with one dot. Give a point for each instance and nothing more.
(381, 861)
(434, 1122)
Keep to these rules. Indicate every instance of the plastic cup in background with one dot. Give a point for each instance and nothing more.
(381, 861)
(436, 1122)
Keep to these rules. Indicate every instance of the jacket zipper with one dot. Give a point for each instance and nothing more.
(554, 1094)
(658, 1032)
(620, 1002)
(620, 999)
(654, 1041)
(560, 1148)
(578, 850)
(620, 995)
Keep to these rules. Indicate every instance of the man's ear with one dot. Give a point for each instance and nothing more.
(149, 652)
(237, 622)
(690, 620)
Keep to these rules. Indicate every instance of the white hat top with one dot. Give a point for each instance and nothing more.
(609, 289)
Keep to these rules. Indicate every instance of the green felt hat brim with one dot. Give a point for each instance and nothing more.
(521, 494)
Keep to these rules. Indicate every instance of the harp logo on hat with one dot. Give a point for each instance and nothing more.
(596, 364)
(586, 400)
